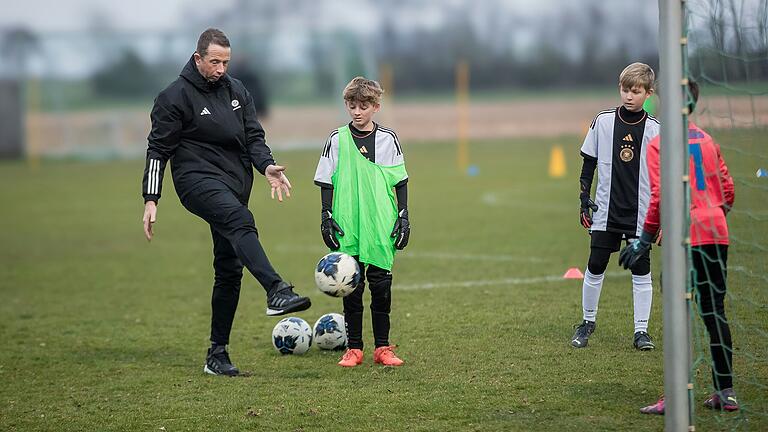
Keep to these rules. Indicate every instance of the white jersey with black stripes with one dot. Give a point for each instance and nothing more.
(388, 152)
(623, 189)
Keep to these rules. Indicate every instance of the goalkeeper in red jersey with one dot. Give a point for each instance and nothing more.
(712, 196)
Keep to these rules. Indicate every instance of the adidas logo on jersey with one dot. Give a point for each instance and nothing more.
(628, 138)
(363, 150)
(205, 111)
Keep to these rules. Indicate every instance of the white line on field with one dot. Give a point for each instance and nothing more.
(308, 249)
(495, 199)
(428, 255)
(492, 282)
(465, 256)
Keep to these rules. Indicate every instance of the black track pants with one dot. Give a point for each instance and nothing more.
(235, 244)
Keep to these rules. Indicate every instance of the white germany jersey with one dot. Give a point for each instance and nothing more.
(623, 189)
(387, 152)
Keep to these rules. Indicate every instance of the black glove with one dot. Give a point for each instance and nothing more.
(635, 250)
(402, 230)
(329, 228)
(585, 214)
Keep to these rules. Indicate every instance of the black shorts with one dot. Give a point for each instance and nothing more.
(609, 240)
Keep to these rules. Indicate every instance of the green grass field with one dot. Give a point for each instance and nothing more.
(104, 331)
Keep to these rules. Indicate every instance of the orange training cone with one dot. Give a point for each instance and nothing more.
(573, 273)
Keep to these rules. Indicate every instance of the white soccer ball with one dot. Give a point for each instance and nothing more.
(330, 332)
(337, 274)
(292, 336)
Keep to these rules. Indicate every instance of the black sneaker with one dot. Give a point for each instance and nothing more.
(218, 362)
(643, 341)
(583, 331)
(282, 300)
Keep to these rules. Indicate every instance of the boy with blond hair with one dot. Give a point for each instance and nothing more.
(360, 172)
(616, 145)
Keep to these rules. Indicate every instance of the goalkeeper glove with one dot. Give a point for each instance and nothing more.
(402, 230)
(329, 228)
(635, 250)
(585, 214)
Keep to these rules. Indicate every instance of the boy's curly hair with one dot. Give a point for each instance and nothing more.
(361, 89)
(637, 74)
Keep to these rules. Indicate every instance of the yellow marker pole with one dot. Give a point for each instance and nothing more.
(33, 115)
(386, 79)
(557, 162)
(462, 110)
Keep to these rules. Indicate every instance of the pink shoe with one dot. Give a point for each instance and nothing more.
(657, 408)
(723, 400)
(351, 358)
(385, 356)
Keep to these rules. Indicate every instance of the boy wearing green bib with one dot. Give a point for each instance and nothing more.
(363, 186)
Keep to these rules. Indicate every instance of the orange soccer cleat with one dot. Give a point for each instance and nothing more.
(385, 356)
(351, 358)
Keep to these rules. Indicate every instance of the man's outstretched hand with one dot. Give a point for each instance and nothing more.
(150, 216)
(278, 181)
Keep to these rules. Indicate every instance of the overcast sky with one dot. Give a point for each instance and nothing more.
(58, 15)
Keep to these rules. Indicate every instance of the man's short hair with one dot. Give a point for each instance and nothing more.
(361, 89)
(637, 75)
(211, 36)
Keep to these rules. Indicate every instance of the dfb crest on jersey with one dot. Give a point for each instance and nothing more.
(627, 152)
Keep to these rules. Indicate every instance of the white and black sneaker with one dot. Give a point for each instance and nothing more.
(643, 341)
(583, 331)
(282, 300)
(218, 363)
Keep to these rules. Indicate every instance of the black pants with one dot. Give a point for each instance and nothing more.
(380, 285)
(710, 267)
(235, 244)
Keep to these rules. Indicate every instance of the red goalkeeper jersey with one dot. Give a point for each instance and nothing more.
(712, 192)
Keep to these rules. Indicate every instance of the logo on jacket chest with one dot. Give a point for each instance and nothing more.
(235, 106)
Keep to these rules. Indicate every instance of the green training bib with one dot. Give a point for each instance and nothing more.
(364, 204)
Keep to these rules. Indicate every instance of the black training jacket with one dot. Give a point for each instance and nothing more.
(209, 131)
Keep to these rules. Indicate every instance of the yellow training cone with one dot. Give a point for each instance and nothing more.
(557, 162)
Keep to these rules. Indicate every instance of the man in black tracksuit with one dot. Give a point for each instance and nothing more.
(205, 123)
